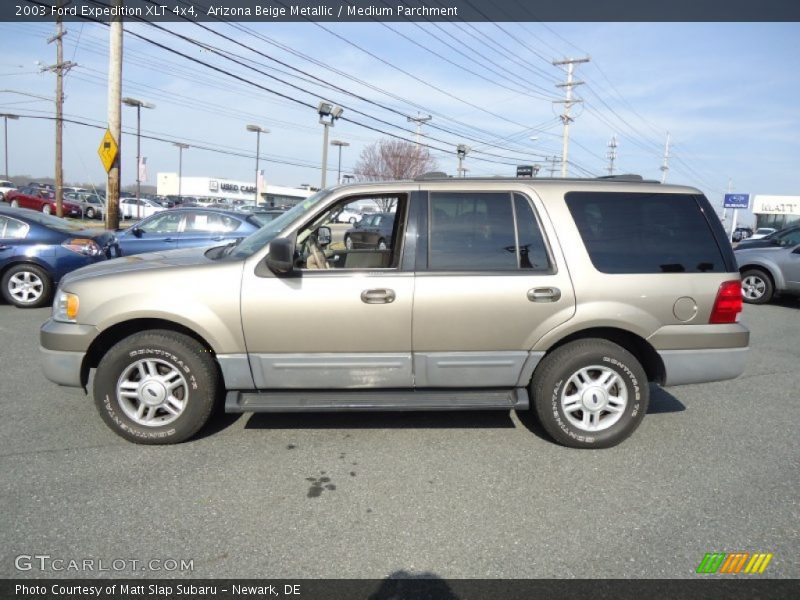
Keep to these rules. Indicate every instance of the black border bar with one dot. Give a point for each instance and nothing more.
(406, 586)
(408, 10)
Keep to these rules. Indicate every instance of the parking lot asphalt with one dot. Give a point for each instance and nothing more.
(714, 467)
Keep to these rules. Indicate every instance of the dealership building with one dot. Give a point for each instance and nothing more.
(217, 187)
(776, 211)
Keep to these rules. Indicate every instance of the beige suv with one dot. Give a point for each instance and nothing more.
(564, 296)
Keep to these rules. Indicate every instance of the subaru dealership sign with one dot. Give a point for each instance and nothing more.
(736, 201)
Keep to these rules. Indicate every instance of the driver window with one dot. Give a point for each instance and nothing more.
(358, 232)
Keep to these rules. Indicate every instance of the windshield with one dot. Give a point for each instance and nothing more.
(255, 242)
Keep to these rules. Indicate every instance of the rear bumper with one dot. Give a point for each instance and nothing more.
(700, 366)
(63, 368)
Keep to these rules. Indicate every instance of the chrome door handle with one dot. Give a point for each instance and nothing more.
(379, 296)
(544, 294)
(170, 240)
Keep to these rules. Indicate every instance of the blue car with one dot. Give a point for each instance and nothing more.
(37, 250)
(186, 228)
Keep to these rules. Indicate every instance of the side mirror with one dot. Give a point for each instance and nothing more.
(280, 259)
(137, 231)
(324, 236)
(796, 250)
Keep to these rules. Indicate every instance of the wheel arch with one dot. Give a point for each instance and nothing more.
(119, 331)
(772, 273)
(641, 349)
(28, 260)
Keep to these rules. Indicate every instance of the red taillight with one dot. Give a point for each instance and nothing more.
(728, 304)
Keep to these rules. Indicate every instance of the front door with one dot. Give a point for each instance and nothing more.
(341, 320)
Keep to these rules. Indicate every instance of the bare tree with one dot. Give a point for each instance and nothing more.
(389, 159)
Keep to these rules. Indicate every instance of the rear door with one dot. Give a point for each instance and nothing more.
(488, 286)
(159, 232)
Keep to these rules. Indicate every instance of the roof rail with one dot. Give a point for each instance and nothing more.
(432, 175)
(627, 177)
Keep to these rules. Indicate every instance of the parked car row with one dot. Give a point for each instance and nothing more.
(36, 250)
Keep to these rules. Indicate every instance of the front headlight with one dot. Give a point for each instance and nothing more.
(65, 307)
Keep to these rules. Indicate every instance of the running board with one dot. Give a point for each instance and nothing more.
(376, 400)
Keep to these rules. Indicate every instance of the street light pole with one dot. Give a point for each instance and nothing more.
(181, 147)
(139, 105)
(258, 130)
(461, 151)
(328, 113)
(6, 117)
(341, 145)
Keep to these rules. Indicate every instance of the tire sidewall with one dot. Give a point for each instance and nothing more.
(201, 390)
(769, 290)
(630, 373)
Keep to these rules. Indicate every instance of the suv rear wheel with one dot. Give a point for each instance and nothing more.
(590, 394)
(156, 387)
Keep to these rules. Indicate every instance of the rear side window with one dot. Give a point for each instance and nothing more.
(484, 231)
(645, 233)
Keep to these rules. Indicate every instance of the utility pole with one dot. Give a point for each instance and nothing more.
(552, 160)
(114, 118)
(612, 154)
(419, 121)
(568, 101)
(665, 164)
(59, 69)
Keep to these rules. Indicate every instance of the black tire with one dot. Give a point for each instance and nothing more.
(44, 288)
(753, 282)
(552, 378)
(172, 349)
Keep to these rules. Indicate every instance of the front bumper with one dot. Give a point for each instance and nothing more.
(63, 368)
(62, 348)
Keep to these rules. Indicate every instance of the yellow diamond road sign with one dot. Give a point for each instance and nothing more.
(108, 150)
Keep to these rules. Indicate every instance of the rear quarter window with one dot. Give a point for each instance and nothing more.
(645, 232)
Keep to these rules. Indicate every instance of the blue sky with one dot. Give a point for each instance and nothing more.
(727, 93)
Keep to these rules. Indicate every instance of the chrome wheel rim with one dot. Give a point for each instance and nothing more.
(381, 245)
(14, 204)
(594, 398)
(348, 243)
(26, 287)
(753, 287)
(152, 392)
(46, 209)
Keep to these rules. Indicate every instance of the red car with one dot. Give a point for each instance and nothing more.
(42, 200)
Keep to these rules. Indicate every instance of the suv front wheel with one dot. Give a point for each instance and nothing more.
(156, 387)
(590, 393)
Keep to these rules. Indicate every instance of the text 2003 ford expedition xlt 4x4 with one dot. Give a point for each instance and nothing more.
(567, 295)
